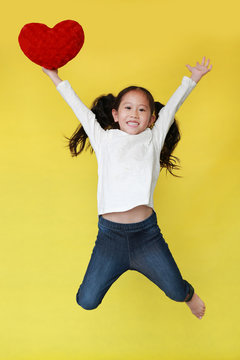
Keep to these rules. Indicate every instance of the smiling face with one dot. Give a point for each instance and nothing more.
(134, 113)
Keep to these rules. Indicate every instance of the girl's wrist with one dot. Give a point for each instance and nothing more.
(55, 79)
(195, 78)
(53, 75)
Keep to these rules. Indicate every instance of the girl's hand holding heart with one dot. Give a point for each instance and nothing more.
(199, 70)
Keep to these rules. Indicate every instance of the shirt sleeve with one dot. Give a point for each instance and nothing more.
(167, 113)
(86, 117)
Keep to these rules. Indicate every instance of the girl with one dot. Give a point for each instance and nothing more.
(128, 134)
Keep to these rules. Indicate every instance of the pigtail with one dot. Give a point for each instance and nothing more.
(172, 138)
(102, 108)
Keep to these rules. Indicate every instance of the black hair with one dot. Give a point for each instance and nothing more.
(102, 108)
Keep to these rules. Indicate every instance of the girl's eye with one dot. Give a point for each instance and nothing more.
(129, 107)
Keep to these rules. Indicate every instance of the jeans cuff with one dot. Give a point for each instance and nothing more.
(190, 294)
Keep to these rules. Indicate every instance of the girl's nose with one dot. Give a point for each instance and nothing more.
(134, 113)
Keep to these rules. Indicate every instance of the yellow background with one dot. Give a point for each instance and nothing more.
(49, 199)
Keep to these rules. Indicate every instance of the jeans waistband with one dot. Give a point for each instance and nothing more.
(151, 220)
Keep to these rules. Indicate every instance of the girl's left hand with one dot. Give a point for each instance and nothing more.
(199, 70)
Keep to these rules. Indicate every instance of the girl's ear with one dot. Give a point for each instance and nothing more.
(153, 118)
(115, 115)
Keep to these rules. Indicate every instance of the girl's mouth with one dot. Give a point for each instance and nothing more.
(132, 123)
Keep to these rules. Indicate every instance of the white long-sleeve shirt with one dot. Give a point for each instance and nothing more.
(128, 165)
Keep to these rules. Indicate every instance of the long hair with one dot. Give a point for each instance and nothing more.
(102, 108)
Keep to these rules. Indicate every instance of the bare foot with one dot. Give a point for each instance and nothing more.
(197, 306)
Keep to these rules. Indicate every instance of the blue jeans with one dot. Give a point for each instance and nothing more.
(136, 246)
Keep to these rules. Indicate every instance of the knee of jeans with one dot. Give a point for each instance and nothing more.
(86, 302)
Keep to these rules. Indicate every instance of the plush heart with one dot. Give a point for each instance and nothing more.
(51, 47)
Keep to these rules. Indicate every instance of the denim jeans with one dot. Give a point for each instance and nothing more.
(136, 246)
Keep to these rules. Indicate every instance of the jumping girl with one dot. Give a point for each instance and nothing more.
(133, 138)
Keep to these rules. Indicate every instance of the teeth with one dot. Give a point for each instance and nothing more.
(132, 123)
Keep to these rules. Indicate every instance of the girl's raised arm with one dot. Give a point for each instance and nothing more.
(167, 113)
(86, 117)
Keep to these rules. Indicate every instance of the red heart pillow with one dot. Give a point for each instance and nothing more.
(51, 48)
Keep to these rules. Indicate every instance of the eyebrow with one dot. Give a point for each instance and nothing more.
(129, 102)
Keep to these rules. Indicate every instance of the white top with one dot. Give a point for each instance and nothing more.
(128, 165)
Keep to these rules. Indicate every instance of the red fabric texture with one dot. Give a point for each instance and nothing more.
(51, 47)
